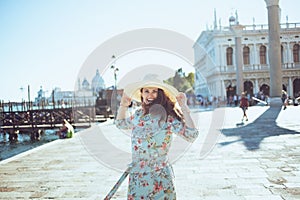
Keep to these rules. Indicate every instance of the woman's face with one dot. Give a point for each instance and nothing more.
(149, 94)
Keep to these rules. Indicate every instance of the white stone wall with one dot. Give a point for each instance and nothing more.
(211, 60)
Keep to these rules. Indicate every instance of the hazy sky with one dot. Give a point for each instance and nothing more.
(44, 43)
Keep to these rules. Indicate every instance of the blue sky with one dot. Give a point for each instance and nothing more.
(44, 43)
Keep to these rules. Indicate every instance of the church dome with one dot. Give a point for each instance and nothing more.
(98, 82)
(231, 19)
(85, 84)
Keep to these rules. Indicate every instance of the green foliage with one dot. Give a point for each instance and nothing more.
(191, 78)
(181, 82)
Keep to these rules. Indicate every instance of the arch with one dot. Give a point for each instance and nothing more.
(296, 53)
(296, 87)
(230, 92)
(229, 56)
(248, 87)
(265, 89)
(262, 54)
(246, 55)
(284, 87)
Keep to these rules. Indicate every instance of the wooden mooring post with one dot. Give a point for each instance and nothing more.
(35, 121)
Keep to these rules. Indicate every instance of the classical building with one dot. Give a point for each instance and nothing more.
(215, 60)
(97, 83)
(87, 93)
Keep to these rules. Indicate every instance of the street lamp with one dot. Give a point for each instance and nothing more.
(22, 89)
(22, 103)
(115, 75)
(115, 69)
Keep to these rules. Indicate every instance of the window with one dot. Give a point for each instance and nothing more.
(296, 51)
(229, 53)
(262, 55)
(246, 53)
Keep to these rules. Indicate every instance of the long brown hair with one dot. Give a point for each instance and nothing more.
(163, 100)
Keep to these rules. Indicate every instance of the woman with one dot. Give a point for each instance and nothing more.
(244, 104)
(151, 176)
(284, 99)
(63, 130)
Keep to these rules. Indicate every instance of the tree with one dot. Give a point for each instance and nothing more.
(191, 78)
(181, 82)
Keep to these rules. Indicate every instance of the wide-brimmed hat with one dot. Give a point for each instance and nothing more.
(133, 90)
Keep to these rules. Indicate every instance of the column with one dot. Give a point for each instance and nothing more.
(255, 54)
(256, 87)
(290, 89)
(237, 30)
(221, 64)
(288, 53)
(223, 53)
(223, 89)
(274, 48)
(285, 55)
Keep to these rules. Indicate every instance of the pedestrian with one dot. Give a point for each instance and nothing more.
(284, 98)
(267, 100)
(235, 99)
(153, 127)
(63, 130)
(244, 104)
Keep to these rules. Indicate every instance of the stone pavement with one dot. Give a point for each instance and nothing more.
(257, 160)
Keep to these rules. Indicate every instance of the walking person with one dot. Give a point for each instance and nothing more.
(244, 104)
(284, 99)
(235, 99)
(153, 127)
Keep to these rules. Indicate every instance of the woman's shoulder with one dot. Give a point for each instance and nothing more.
(244, 99)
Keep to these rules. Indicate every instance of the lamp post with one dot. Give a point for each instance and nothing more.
(115, 75)
(22, 103)
(22, 89)
(115, 70)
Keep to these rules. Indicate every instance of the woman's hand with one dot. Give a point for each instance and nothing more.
(125, 100)
(182, 100)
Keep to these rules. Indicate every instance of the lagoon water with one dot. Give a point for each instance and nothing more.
(9, 149)
(24, 143)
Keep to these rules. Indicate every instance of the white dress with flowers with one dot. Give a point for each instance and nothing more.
(151, 176)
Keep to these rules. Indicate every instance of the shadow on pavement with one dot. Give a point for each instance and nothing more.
(252, 134)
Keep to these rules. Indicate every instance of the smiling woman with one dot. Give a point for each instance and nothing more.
(153, 126)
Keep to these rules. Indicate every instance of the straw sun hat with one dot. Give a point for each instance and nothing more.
(133, 90)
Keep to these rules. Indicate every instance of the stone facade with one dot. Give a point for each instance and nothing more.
(215, 60)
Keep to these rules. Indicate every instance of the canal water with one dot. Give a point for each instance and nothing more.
(24, 143)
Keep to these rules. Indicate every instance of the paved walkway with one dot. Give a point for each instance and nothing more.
(257, 160)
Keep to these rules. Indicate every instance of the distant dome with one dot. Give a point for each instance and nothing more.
(85, 84)
(98, 82)
(231, 19)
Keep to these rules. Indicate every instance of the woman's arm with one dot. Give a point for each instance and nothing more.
(122, 120)
(125, 102)
(182, 101)
(187, 130)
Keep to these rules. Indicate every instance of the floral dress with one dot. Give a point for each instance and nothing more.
(151, 176)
